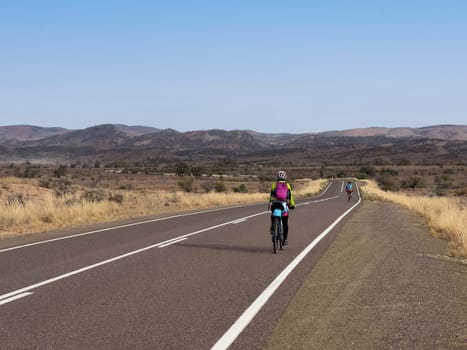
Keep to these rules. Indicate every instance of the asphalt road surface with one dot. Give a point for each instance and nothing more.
(201, 280)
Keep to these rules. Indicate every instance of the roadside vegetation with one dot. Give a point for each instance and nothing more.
(446, 216)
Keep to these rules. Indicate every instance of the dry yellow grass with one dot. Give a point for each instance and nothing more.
(307, 187)
(446, 216)
(51, 212)
(27, 208)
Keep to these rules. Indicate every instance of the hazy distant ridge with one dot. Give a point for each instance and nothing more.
(15, 133)
(437, 144)
(448, 132)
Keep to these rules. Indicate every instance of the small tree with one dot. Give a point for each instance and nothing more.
(220, 186)
(197, 170)
(182, 169)
(207, 186)
(368, 170)
(241, 189)
(60, 171)
(186, 184)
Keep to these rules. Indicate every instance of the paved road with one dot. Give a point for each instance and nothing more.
(191, 281)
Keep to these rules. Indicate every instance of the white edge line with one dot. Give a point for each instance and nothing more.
(234, 331)
(15, 297)
(173, 242)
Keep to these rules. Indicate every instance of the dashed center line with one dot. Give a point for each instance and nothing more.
(173, 242)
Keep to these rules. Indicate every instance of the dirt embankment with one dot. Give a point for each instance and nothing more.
(383, 284)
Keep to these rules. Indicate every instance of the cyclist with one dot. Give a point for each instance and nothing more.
(281, 194)
(348, 188)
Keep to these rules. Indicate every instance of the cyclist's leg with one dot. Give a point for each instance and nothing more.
(285, 225)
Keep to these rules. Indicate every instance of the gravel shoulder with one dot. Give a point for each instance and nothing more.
(384, 283)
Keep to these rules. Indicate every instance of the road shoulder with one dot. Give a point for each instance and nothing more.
(384, 283)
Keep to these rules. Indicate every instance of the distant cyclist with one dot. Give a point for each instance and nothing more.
(281, 194)
(349, 188)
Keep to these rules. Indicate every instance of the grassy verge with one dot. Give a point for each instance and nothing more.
(446, 216)
(26, 207)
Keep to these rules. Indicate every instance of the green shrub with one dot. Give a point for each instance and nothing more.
(389, 183)
(60, 171)
(94, 195)
(388, 172)
(207, 186)
(220, 186)
(62, 185)
(361, 176)
(241, 189)
(186, 184)
(370, 171)
(414, 182)
(116, 197)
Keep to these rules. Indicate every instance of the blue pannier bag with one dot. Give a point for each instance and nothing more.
(277, 212)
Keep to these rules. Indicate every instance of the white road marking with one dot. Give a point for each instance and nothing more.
(234, 331)
(318, 200)
(13, 298)
(173, 242)
(238, 221)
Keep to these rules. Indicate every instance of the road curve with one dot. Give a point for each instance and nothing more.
(191, 281)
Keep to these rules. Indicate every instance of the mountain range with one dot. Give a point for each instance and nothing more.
(439, 144)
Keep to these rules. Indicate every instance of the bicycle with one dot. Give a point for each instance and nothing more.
(349, 195)
(277, 233)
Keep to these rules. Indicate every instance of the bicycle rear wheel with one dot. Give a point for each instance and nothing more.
(276, 235)
(280, 237)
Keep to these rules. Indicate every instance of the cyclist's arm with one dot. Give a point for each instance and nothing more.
(271, 194)
(291, 200)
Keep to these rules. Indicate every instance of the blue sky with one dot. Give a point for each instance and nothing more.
(269, 66)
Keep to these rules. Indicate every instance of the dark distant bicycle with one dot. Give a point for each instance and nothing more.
(277, 231)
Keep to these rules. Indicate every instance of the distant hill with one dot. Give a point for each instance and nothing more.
(441, 144)
(441, 132)
(100, 137)
(198, 140)
(14, 133)
(135, 130)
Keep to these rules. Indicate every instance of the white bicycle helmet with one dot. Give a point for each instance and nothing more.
(281, 175)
